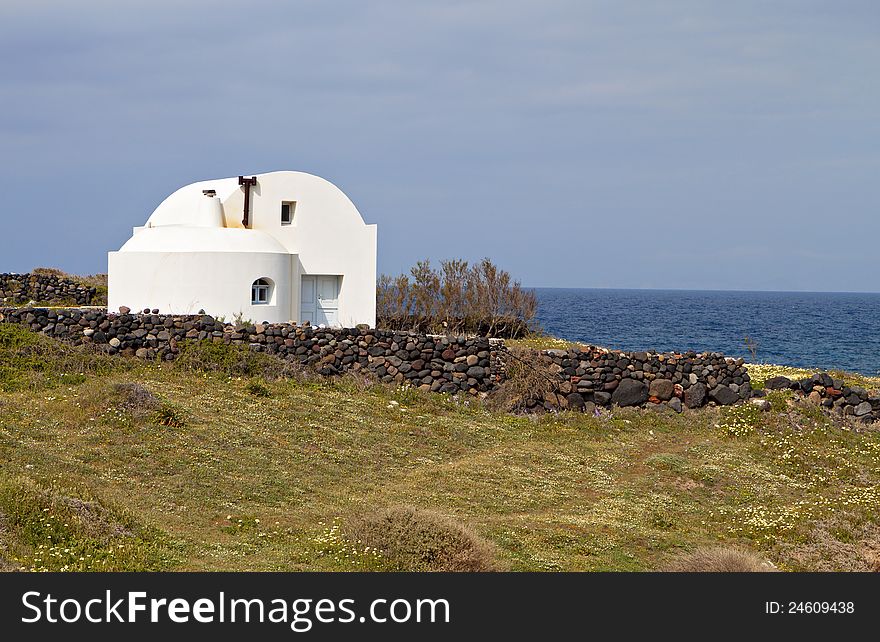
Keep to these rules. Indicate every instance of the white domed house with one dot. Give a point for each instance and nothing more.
(277, 247)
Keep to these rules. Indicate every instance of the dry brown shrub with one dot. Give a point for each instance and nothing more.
(456, 299)
(48, 271)
(411, 539)
(529, 376)
(356, 381)
(135, 398)
(720, 560)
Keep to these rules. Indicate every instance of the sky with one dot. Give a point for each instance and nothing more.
(576, 143)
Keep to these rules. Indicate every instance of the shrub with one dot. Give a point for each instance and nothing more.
(529, 378)
(456, 299)
(135, 398)
(258, 389)
(354, 382)
(410, 539)
(720, 560)
(169, 416)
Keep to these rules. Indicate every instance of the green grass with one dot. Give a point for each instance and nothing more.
(251, 473)
(47, 530)
(539, 341)
(759, 373)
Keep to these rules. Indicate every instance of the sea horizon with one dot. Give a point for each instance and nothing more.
(565, 287)
(824, 330)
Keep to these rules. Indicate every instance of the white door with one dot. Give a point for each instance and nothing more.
(328, 300)
(308, 300)
(319, 300)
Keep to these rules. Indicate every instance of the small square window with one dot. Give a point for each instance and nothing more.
(288, 209)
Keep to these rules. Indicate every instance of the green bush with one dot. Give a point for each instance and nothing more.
(258, 389)
(779, 400)
(14, 337)
(169, 416)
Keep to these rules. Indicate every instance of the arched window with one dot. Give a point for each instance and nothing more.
(261, 292)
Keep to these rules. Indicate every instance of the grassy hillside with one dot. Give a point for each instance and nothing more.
(200, 467)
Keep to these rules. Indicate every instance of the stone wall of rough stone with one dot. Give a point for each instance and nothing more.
(587, 377)
(44, 288)
(440, 364)
(832, 394)
(597, 377)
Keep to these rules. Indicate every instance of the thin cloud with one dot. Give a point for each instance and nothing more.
(566, 139)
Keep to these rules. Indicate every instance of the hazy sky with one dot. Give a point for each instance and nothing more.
(585, 144)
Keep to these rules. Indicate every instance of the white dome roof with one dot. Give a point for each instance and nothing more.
(183, 238)
(317, 197)
(182, 207)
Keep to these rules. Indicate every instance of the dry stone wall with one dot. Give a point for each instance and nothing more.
(592, 377)
(832, 394)
(44, 288)
(439, 364)
(586, 377)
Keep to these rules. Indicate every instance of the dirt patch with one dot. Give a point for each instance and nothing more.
(681, 483)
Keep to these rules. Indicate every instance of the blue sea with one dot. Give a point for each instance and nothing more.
(807, 329)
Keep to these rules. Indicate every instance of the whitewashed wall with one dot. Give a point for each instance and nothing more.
(328, 236)
(186, 282)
